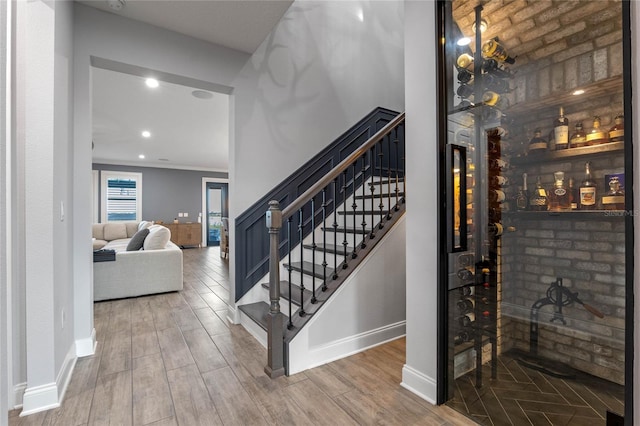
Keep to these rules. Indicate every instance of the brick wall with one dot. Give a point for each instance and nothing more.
(561, 46)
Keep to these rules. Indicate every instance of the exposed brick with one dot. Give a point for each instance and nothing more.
(611, 12)
(520, 89)
(604, 236)
(544, 82)
(556, 225)
(553, 261)
(585, 9)
(573, 51)
(517, 30)
(535, 251)
(548, 50)
(573, 235)
(576, 274)
(611, 257)
(590, 225)
(573, 352)
(532, 87)
(607, 278)
(593, 266)
(565, 244)
(594, 348)
(585, 74)
(536, 233)
(565, 31)
(609, 39)
(592, 246)
(594, 328)
(557, 77)
(532, 242)
(619, 269)
(574, 254)
(549, 169)
(534, 9)
(524, 49)
(615, 61)
(591, 33)
(537, 269)
(600, 64)
(571, 74)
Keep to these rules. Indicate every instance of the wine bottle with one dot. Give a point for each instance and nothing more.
(492, 49)
(462, 337)
(616, 134)
(496, 196)
(492, 67)
(587, 190)
(538, 200)
(465, 305)
(498, 180)
(561, 131)
(537, 143)
(465, 61)
(467, 319)
(495, 100)
(579, 137)
(465, 76)
(466, 291)
(597, 135)
(465, 91)
(614, 198)
(465, 274)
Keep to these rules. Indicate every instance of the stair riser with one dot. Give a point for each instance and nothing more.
(284, 304)
(295, 276)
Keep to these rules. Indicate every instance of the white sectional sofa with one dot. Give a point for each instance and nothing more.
(155, 268)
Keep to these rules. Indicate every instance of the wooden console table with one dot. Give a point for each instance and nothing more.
(185, 234)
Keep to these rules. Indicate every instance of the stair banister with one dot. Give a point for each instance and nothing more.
(274, 219)
(316, 188)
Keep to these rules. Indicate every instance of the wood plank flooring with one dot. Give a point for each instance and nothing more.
(174, 359)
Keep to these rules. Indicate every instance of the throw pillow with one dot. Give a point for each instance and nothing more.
(144, 224)
(158, 238)
(137, 240)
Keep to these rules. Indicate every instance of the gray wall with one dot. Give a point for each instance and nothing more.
(166, 192)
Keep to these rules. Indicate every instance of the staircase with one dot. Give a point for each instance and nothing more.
(339, 223)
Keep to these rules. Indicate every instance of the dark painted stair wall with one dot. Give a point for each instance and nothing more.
(251, 237)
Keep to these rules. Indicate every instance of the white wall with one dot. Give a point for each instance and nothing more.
(107, 37)
(44, 131)
(420, 373)
(318, 72)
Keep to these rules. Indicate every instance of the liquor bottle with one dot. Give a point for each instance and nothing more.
(465, 305)
(579, 137)
(522, 200)
(587, 190)
(466, 291)
(465, 61)
(465, 91)
(616, 133)
(492, 49)
(538, 201)
(614, 198)
(561, 131)
(597, 135)
(573, 195)
(559, 197)
(537, 144)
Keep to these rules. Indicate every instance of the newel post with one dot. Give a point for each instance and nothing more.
(275, 320)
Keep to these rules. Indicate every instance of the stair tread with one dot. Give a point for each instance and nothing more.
(258, 312)
(360, 212)
(349, 230)
(284, 292)
(329, 248)
(307, 267)
(385, 181)
(386, 195)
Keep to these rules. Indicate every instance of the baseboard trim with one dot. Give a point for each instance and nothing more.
(18, 394)
(48, 396)
(86, 346)
(343, 348)
(418, 383)
(232, 315)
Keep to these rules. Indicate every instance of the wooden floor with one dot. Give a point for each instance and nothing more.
(174, 359)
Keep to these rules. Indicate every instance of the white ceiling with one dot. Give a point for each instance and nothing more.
(187, 133)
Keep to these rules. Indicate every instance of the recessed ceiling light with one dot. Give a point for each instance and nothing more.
(152, 82)
(201, 94)
(146, 134)
(464, 41)
(141, 156)
(163, 159)
(578, 92)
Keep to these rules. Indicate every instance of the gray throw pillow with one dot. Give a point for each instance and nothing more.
(137, 240)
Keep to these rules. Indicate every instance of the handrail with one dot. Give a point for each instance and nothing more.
(329, 177)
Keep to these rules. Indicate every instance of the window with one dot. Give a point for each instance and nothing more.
(121, 196)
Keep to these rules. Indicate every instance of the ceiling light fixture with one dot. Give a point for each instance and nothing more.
(578, 92)
(152, 82)
(483, 26)
(141, 156)
(116, 5)
(464, 41)
(146, 134)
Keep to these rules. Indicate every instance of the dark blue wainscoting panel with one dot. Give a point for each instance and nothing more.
(252, 237)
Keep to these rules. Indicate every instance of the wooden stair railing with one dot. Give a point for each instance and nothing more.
(379, 164)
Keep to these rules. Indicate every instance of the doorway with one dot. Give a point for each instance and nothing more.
(217, 208)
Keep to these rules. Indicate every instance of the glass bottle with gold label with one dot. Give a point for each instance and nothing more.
(579, 137)
(614, 198)
(587, 190)
(492, 49)
(559, 197)
(616, 133)
(597, 135)
(537, 144)
(538, 201)
(561, 131)
(465, 61)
